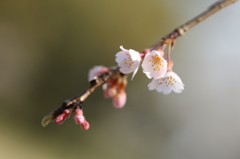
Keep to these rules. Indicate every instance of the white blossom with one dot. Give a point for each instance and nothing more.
(154, 65)
(96, 71)
(170, 81)
(128, 61)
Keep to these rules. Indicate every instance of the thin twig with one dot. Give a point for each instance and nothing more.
(77, 101)
(94, 84)
(181, 30)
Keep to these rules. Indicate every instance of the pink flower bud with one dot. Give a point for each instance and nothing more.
(79, 119)
(67, 113)
(60, 119)
(110, 92)
(120, 99)
(78, 112)
(85, 125)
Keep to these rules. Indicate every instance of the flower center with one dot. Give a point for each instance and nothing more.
(170, 81)
(156, 62)
(129, 60)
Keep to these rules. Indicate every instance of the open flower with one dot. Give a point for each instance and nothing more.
(128, 61)
(96, 71)
(154, 65)
(170, 81)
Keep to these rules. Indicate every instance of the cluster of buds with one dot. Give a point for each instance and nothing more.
(78, 118)
(113, 88)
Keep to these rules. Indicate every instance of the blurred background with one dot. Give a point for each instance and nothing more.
(47, 48)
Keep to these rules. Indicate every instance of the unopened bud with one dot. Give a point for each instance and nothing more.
(110, 92)
(85, 125)
(78, 111)
(60, 119)
(67, 113)
(120, 100)
(79, 119)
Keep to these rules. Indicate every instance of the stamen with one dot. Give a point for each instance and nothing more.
(156, 62)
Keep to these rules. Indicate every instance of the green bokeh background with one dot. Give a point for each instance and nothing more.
(48, 47)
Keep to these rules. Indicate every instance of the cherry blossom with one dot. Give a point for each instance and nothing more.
(96, 71)
(154, 65)
(170, 81)
(128, 61)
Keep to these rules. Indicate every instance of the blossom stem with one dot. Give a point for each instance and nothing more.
(168, 53)
(163, 47)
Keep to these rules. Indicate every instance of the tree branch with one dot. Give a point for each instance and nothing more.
(76, 102)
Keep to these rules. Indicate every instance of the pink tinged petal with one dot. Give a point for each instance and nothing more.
(120, 100)
(153, 85)
(96, 71)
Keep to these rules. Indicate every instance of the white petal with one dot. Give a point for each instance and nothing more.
(153, 85)
(175, 88)
(126, 70)
(120, 56)
(160, 88)
(135, 55)
(121, 47)
(167, 91)
(134, 73)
